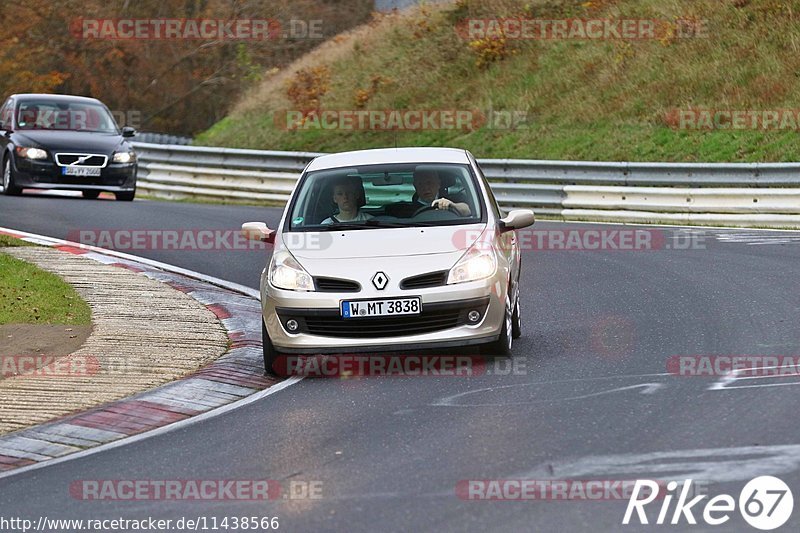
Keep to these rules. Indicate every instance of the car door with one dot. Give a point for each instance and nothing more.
(6, 117)
(507, 242)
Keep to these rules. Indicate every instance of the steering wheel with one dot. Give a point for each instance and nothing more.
(426, 208)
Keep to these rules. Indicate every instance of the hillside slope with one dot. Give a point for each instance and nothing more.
(588, 99)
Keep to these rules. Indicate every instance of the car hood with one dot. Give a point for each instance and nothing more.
(381, 243)
(70, 141)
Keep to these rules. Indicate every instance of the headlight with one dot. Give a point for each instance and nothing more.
(124, 157)
(474, 265)
(286, 273)
(31, 153)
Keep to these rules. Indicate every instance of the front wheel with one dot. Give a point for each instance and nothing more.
(271, 355)
(502, 346)
(126, 196)
(9, 189)
(516, 320)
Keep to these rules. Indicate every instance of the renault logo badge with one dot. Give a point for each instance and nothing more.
(380, 280)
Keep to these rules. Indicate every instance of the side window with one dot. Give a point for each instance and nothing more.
(492, 201)
(7, 113)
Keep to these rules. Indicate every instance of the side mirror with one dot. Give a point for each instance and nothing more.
(258, 231)
(127, 131)
(517, 219)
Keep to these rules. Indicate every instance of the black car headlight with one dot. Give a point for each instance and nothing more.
(124, 157)
(31, 153)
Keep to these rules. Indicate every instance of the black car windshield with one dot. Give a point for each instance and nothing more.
(386, 196)
(65, 116)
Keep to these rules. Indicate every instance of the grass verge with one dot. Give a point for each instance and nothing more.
(9, 241)
(30, 295)
(600, 100)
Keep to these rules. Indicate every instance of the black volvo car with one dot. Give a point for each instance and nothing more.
(52, 141)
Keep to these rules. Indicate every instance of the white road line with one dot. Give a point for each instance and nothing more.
(42, 239)
(158, 431)
(649, 388)
(177, 425)
(733, 376)
(717, 465)
(676, 226)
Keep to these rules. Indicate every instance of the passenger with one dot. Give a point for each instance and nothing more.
(428, 185)
(348, 194)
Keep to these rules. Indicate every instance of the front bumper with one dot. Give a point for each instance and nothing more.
(442, 323)
(114, 177)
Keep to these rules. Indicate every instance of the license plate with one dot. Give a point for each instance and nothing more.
(81, 171)
(389, 307)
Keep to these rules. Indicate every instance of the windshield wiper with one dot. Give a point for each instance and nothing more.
(340, 226)
(367, 224)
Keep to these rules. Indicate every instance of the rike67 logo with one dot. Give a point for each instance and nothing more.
(765, 503)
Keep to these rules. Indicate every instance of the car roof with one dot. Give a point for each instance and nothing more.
(390, 155)
(55, 97)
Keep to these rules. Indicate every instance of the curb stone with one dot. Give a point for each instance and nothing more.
(235, 375)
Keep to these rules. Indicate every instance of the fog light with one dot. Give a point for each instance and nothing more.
(292, 325)
(474, 316)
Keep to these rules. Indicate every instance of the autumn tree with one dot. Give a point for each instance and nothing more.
(178, 86)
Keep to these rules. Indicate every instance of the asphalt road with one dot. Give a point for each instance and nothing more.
(590, 397)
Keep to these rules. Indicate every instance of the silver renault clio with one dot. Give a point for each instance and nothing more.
(387, 250)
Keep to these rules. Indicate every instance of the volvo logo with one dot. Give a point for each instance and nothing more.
(80, 160)
(380, 280)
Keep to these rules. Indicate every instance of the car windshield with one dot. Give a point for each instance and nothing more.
(386, 196)
(65, 116)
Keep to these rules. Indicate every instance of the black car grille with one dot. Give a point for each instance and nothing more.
(336, 285)
(424, 281)
(91, 161)
(366, 328)
(434, 317)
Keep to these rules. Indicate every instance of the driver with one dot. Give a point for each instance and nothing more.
(428, 184)
(28, 116)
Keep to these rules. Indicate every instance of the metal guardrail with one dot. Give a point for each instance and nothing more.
(162, 138)
(736, 194)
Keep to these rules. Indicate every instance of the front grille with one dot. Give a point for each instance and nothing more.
(336, 285)
(424, 281)
(434, 317)
(89, 160)
(367, 328)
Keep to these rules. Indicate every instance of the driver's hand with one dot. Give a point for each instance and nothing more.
(441, 203)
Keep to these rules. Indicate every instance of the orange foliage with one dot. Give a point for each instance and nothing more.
(178, 86)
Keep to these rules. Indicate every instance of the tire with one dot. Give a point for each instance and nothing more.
(126, 196)
(516, 319)
(502, 346)
(91, 195)
(270, 353)
(9, 189)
